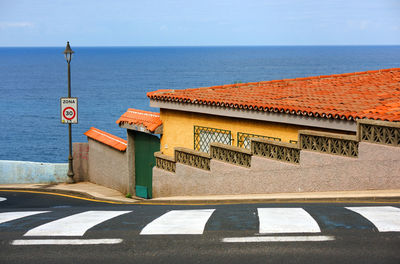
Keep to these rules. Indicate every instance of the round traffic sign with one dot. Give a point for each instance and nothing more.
(69, 113)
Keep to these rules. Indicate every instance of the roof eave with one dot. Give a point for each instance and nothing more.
(278, 117)
(141, 128)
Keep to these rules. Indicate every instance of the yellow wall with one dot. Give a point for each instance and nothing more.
(178, 128)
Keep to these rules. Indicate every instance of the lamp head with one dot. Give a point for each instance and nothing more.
(68, 53)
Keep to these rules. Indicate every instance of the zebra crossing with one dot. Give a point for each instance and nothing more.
(6, 217)
(286, 220)
(74, 225)
(188, 222)
(293, 221)
(385, 218)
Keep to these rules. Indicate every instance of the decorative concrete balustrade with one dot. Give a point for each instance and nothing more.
(380, 132)
(287, 152)
(231, 154)
(330, 143)
(192, 158)
(165, 162)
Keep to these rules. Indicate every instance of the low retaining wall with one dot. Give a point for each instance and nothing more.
(14, 172)
(319, 162)
(98, 163)
(108, 166)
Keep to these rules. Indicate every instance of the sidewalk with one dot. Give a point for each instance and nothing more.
(96, 192)
(80, 189)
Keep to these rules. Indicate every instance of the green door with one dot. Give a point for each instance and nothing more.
(145, 146)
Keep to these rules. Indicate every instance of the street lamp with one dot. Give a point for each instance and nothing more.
(68, 56)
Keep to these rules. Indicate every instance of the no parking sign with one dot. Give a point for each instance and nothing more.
(69, 110)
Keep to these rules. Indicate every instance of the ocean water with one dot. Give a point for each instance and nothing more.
(109, 80)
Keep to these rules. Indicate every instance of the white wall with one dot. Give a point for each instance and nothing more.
(14, 172)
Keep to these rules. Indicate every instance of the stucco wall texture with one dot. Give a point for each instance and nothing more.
(377, 167)
(178, 128)
(107, 166)
(81, 161)
(12, 172)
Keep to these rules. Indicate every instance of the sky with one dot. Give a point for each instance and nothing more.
(199, 23)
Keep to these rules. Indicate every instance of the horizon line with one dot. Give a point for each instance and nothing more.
(209, 46)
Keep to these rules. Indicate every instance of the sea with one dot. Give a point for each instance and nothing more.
(109, 80)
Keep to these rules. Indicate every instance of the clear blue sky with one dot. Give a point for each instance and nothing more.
(198, 23)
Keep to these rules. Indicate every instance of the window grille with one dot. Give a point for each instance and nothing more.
(203, 136)
(244, 139)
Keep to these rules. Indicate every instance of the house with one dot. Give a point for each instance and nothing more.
(276, 110)
(323, 133)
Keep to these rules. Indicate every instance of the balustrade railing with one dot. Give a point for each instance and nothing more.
(379, 132)
(231, 154)
(287, 152)
(165, 162)
(192, 158)
(336, 144)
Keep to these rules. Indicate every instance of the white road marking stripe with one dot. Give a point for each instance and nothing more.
(65, 242)
(2, 199)
(278, 239)
(74, 225)
(9, 216)
(179, 222)
(286, 220)
(385, 218)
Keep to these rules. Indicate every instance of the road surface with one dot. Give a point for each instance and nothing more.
(41, 228)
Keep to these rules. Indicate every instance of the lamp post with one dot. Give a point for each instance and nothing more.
(68, 56)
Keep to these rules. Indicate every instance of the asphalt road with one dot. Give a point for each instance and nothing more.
(250, 233)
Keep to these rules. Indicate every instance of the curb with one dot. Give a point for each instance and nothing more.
(370, 199)
(142, 201)
(74, 194)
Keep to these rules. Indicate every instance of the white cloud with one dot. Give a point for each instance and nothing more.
(15, 25)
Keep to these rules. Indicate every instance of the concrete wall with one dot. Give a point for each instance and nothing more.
(14, 172)
(98, 163)
(377, 167)
(108, 167)
(81, 161)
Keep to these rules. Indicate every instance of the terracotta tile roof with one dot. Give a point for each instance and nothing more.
(149, 120)
(107, 138)
(370, 94)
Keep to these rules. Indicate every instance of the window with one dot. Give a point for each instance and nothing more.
(244, 139)
(203, 136)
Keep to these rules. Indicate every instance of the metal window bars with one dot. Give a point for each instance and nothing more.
(243, 139)
(203, 136)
